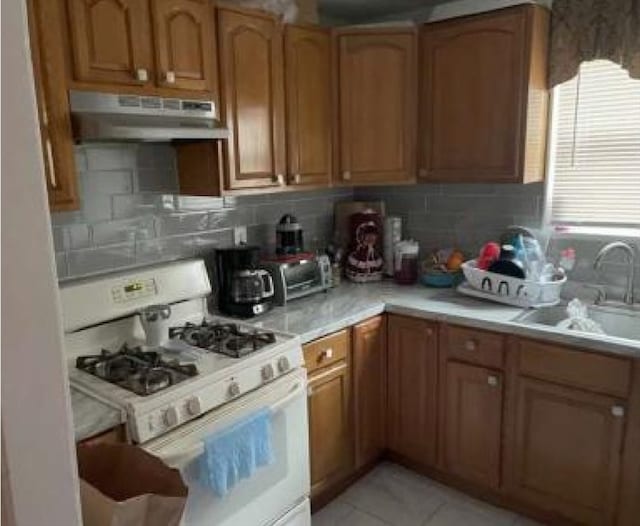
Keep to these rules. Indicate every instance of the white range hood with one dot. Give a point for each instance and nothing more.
(100, 116)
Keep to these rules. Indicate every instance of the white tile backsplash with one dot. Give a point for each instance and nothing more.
(102, 157)
(131, 213)
(96, 189)
(96, 260)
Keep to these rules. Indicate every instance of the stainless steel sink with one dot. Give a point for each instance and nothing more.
(617, 322)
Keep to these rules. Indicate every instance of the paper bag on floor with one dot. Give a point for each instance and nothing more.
(123, 485)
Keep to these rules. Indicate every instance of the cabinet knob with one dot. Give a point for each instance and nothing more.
(233, 390)
(326, 354)
(346, 176)
(470, 345)
(142, 75)
(617, 410)
(493, 380)
(170, 77)
(429, 332)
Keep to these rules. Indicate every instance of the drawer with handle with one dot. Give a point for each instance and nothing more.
(575, 367)
(474, 346)
(325, 351)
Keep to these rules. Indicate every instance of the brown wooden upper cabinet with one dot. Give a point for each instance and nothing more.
(413, 388)
(112, 44)
(47, 52)
(184, 43)
(376, 105)
(252, 75)
(308, 94)
(484, 97)
(370, 389)
(111, 41)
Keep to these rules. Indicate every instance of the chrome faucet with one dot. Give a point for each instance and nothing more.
(631, 260)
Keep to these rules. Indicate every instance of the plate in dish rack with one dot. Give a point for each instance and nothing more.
(468, 290)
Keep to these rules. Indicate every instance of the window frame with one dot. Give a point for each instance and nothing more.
(572, 229)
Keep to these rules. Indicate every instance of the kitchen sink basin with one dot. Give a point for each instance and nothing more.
(616, 322)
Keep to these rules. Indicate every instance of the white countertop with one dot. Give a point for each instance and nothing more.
(350, 303)
(91, 416)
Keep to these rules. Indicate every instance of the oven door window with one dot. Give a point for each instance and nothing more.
(273, 489)
(300, 277)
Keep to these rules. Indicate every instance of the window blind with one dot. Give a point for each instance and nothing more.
(596, 164)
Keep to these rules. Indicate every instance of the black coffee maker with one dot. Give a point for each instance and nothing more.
(244, 290)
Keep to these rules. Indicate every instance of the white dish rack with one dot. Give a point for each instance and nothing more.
(509, 290)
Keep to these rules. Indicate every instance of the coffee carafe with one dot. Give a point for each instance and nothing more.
(243, 289)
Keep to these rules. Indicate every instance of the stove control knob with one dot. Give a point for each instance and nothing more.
(234, 389)
(267, 372)
(283, 364)
(171, 416)
(194, 406)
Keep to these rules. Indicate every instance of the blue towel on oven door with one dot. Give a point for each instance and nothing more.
(236, 452)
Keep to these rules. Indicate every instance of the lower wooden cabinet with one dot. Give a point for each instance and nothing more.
(548, 428)
(330, 434)
(566, 451)
(369, 389)
(471, 418)
(412, 385)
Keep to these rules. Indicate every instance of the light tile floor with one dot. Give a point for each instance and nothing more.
(391, 495)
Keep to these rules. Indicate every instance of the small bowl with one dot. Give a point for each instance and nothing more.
(441, 279)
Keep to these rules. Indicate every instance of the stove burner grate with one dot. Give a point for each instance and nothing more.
(223, 338)
(143, 372)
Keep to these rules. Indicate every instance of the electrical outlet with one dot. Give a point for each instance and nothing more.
(240, 235)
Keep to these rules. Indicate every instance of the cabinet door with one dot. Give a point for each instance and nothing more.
(251, 56)
(329, 427)
(308, 94)
(369, 388)
(47, 54)
(412, 372)
(377, 113)
(566, 451)
(111, 41)
(184, 44)
(471, 409)
(473, 97)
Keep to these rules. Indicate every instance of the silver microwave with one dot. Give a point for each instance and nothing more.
(296, 279)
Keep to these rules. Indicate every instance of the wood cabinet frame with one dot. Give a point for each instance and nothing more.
(46, 17)
(525, 141)
(343, 129)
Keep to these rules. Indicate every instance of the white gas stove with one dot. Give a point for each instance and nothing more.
(163, 388)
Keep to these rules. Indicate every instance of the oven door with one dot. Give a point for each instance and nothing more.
(274, 490)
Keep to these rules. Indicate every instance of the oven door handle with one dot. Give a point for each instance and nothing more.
(185, 456)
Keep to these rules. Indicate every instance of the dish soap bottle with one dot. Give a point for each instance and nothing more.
(508, 264)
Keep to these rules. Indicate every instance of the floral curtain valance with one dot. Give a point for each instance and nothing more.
(584, 30)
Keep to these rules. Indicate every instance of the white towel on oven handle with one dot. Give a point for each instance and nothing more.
(182, 457)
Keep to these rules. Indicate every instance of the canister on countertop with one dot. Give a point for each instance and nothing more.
(406, 262)
(365, 263)
(392, 235)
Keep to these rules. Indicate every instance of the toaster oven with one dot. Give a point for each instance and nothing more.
(298, 277)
